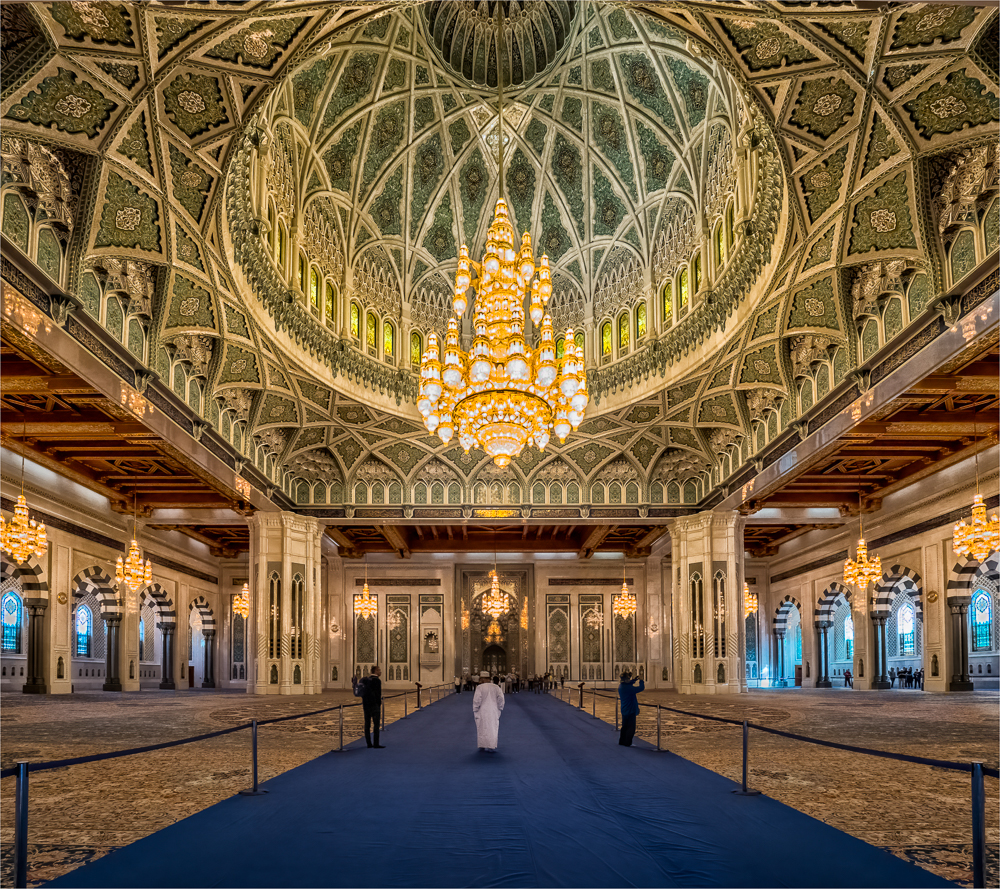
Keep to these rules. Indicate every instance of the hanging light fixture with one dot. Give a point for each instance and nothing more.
(624, 605)
(132, 572)
(502, 395)
(241, 602)
(365, 605)
(495, 633)
(749, 600)
(862, 571)
(495, 601)
(23, 537)
(979, 538)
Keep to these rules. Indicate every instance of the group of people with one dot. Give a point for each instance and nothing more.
(511, 682)
(907, 676)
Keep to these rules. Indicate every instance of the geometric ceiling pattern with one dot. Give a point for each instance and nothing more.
(873, 132)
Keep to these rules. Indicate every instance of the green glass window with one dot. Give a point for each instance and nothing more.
(640, 320)
(282, 241)
(684, 289)
(720, 245)
(623, 333)
(388, 341)
(730, 225)
(371, 333)
(302, 273)
(271, 233)
(355, 320)
(329, 305)
(668, 303)
(606, 339)
(579, 340)
(416, 349)
(314, 288)
(560, 347)
(697, 272)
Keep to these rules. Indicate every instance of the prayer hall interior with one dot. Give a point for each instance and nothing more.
(292, 398)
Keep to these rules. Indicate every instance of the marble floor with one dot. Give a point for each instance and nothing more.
(917, 812)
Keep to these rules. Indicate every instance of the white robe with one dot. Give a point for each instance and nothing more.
(487, 704)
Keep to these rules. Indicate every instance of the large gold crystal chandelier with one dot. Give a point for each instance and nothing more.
(502, 395)
(23, 537)
(241, 603)
(495, 600)
(365, 605)
(132, 572)
(749, 600)
(624, 605)
(862, 571)
(979, 538)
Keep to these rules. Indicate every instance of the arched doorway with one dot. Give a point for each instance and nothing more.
(898, 614)
(495, 659)
(788, 631)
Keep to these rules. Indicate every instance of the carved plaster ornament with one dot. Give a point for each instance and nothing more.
(130, 278)
(315, 465)
(877, 280)
(375, 283)
(375, 470)
(721, 439)
(273, 440)
(43, 179)
(436, 471)
(238, 401)
(807, 350)
(619, 288)
(968, 186)
(618, 471)
(760, 401)
(194, 350)
(678, 466)
(556, 471)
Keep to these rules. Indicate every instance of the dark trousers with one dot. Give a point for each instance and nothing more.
(371, 716)
(628, 731)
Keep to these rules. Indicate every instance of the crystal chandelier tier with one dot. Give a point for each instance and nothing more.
(24, 537)
(749, 600)
(365, 605)
(624, 605)
(133, 572)
(502, 395)
(241, 602)
(861, 571)
(495, 600)
(981, 536)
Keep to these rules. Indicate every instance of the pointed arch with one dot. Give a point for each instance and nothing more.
(898, 577)
(93, 580)
(30, 575)
(162, 604)
(782, 611)
(829, 601)
(200, 603)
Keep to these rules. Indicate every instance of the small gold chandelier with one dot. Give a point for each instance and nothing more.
(24, 537)
(495, 633)
(495, 601)
(132, 572)
(624, 605)
(749, 600)
(982, 536)
(502, 395)
(241, 603)
(862, 571)
(365, 605)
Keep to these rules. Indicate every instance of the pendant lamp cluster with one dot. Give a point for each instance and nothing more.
(749, 600)
(366, 605)
(624, 605)
(981, 536)
(23, 537)
(132, 572)
(862, 570)
(241, 603)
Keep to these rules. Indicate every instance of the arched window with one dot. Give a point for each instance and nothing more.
(271, 233)
(371, 333)
(668, 304)
(697, 272)
(282, 246)
(640, 320)
(849, 635)
(623, 333)
(606, 340)
(416, 349)
(905, 621)
(560, 347)
(355, 321)
(388, 341)
(314, 288)
(13, 620)
(683, 288)
(730, 225)
(142, 639)
(84, 631)
(579, 339)
(301, 279)
(982, 621)
(330, 300)
(720, 246)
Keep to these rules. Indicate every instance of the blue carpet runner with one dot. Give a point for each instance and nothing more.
(560, 804)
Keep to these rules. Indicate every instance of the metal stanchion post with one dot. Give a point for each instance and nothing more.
(21, 827)
(978, 827)
(746, 741)
(255, 790)
(658, 708)
(341, 748)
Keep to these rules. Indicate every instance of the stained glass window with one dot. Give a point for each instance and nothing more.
(314, 288)
(11, 608)
(84, 630)
(668, 304)
(416, 349)
(905, 622)
(730, 225)
(640, 320)
(388, 341)
(697, 272)
(560, 347)
(720, 245)
(579, 340)
(798, 645)
(282, 240)
(606, 339)
(684, 289)
(982, 621)
(329, 305)
(355, 320)
(371, 333)
(849, 635)
(142, 639)
(302, 273)
(623, 333)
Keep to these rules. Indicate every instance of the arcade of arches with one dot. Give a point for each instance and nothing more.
(229, 230)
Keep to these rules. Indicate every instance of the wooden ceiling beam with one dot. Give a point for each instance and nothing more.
(347, 548)
(394, 537)
(33, 384)
(594, 539)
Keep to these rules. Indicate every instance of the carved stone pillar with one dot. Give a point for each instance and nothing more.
(823, 680)
(167, 679)
(960, 678)
(209, 680)
(782, 681)
(112, 659)
(35, 680)
(880, 677)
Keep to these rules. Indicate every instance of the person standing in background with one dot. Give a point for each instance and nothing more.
(371, 703)
(487, 705)
(630, 707)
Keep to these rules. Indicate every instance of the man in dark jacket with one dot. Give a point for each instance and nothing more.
(630, 707)
(371, 703)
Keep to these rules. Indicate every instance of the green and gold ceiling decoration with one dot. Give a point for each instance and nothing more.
(371, 125)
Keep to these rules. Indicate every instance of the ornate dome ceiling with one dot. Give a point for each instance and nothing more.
(133, 135)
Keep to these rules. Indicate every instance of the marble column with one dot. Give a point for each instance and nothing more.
(960, 678)
(167, 679)
(112, 659)
(880, 675)
(823, 628)
(209, 678)
(782, 681)
(35, 680)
